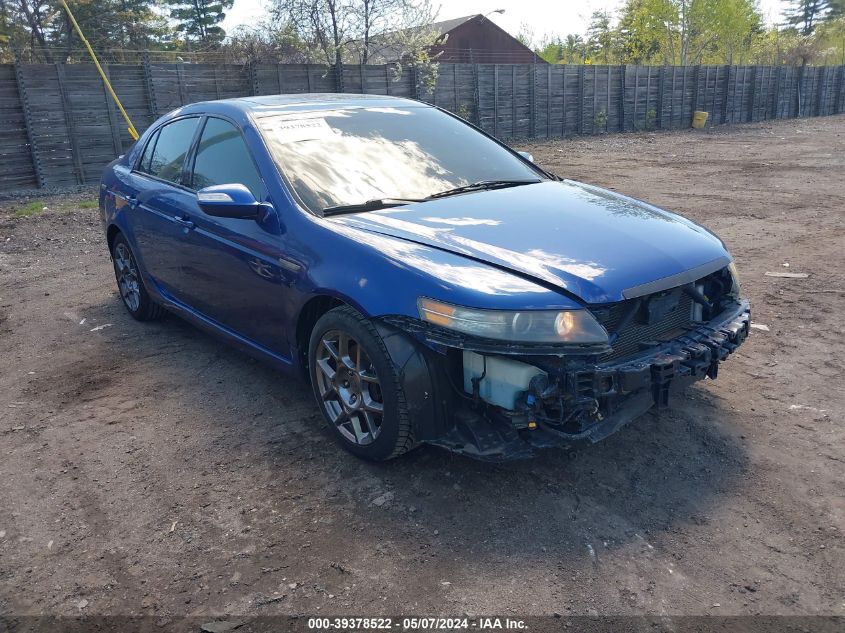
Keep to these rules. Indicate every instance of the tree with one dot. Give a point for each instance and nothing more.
(338, 28)
(198, 20)
(401, 26)
(574, 49)
(323, 24)
(28, 26)
(551, 50)
(600, 37)
(687, 31)
(264, 44)
(806, 14)
(111, 24)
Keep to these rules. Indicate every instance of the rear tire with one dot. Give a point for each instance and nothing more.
(130, 284)
(357, 386)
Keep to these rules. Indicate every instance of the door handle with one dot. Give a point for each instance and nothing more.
(184, 222)
(133, 202)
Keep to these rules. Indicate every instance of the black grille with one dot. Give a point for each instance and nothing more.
(637, 330)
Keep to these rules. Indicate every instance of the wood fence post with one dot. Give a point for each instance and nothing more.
(715, 94)
(661, 86)
(251, 71)
(726, 86)
(27, 118)
(840, 91)
(148, 82)
(180, 80)
(279, 77)
(496, 100)
(753, 95)
(820, 91)
(476, 95)
(636, 97)
(456, 99)
(582, 73)
(532, 100)
(696, 79)
(513, 101)
(623, 70)
(71, 127)
(216, 82)
(774, 105)
(548, 101)
(362, 78)
(338, 77)
(563, 104)
(117, 143)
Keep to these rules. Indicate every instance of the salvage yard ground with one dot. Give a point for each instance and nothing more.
(150, 469)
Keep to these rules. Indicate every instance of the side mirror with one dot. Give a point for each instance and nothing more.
(527, 156)
(229, 201)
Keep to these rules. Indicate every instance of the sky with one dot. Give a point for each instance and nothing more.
(542, 17)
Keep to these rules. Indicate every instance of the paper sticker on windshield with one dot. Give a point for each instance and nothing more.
(302, 130)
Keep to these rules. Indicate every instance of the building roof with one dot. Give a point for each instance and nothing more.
(386, 51)
(441, 28)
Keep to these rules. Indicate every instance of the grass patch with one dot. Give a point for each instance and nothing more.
(30, 209)
(89, 204)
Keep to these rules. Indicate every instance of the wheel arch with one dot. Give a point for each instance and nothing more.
(112, 232)
(310, 313)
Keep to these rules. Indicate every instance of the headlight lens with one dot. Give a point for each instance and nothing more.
(735, 291)
(528, 326)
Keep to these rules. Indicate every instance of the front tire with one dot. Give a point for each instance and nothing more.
(136, 299)
(357, 386)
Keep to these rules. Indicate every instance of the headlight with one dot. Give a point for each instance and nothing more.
(527, 326)
(735, 278)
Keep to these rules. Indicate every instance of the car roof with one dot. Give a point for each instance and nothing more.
(302, 102)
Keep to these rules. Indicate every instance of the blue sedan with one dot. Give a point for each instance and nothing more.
(432, 284)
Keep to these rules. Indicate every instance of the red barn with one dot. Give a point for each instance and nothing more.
(471, 39)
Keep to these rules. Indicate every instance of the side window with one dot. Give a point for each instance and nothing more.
(223, 158)
(146, 157)
(174, 141)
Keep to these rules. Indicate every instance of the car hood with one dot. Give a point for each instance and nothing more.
(592, 243)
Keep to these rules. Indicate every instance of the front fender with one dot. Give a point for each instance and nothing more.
(422, 378)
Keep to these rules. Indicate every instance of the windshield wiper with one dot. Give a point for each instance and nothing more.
(369, 205)
(482, 185)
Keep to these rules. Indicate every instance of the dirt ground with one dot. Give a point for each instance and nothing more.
(149, 469)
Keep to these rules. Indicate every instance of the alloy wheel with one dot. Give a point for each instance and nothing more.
(127, 277)
(349, 387)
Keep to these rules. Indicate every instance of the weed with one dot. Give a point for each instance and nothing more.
(30, 209)
(600, 121)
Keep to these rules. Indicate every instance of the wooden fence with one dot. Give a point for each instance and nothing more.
(58, 126)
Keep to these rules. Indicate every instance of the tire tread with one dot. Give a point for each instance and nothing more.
(405, 440)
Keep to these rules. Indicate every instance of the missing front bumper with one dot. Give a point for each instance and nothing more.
(584, 400)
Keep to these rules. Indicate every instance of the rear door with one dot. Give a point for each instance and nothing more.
(158, 208)
(231, 266)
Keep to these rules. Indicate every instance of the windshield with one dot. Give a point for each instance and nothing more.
(349, 156)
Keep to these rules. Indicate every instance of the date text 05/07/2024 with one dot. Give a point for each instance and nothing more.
(415, 624)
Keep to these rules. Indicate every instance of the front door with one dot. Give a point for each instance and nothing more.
(230, 267)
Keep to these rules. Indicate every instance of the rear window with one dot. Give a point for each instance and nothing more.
(171, 146)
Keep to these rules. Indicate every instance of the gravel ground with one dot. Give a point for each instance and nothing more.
(149, 469)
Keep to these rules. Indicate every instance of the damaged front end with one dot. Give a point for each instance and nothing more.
(508, 399)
